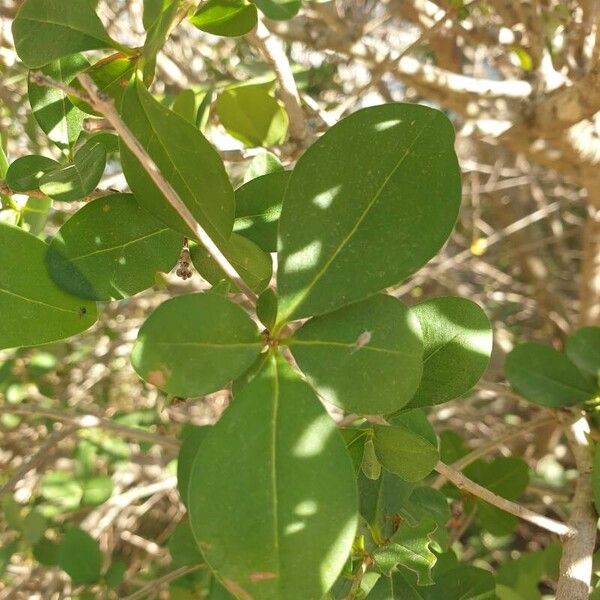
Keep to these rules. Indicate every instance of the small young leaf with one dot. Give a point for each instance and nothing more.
(370, 466)
(266, 308)
(252, 115)
(191, 165)
(40, 312)
(253, 265)
(24, 174)
(289, 534)
(367, 205)
(53, 110)
(79, 178)
(230, 18)
(258, 206)
(457, 340)
(263, 163)
(34, 526)
(463, 583)
(279, 10)
(195, 344)
(365, 358)
(404, 453)
(79, 555)
(46, 552)
(583, 348)
(96, 490)
(545, 376)
(122, 256)
(45, 30)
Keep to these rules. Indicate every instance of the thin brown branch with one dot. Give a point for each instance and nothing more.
(172, 576)
(8, 191)
(105, 106)
(467, 485)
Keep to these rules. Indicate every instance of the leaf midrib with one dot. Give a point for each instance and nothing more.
(33, 301)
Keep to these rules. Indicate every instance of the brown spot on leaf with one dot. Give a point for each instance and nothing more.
(106, 208)
(236, 589)
(262, 576)
(157, 378)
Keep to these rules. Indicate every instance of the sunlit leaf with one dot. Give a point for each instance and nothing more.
(583, 348)
(229, 18)
(279, 10)
(24, 174)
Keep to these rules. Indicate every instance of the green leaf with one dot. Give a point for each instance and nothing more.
(545, 376)
(128, 246)
(253, 265)
(397, 587)
(35, 214)
(115, 573)
(583, 349)
(367, 205)
(230, 18)
(152, 10)
(53, 110)
(3, 160)
(111, 75)
(404, 453)
(182, 546)
(184, 105)
(96, 490)
(258, 206)
(279, 10)
(184, 156)
(34, 526)
(40, 312)
(409, 547)
(263, 163)
(6, 552)
(194, 436)
(195, 344)
(596, 477)
(365, 358)
(24, 174)
(46, 552)
(370, 466)
(266, 308)
(78, 179)
(45, 30)
(415, 420)
(463, 583)
(457, 340)
(289, 534)
(80, 557)
(252, 115)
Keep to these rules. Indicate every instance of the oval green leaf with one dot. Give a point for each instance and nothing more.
(230, 18)
(545, 376)
(364, 358)
(45, 30)
(24, 174)
(367, 205)
(193, 438)
(39, 311)
(78, 179)
(258, 206)
(252, 115)
(80, 557)
(405, 453)
(457, 344)
(122, 256)
(185, 157)
(279, 10)
(583, 348)
(54, 112)
(287, 536)
(253, 265)
(195, 344)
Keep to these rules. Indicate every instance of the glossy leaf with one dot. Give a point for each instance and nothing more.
(40, 312)
(545, 376)
(229, 18)
(258, 206)
(367, 205)
(583, 349)
(266, 308)
(252, 115)
(122, 256)
(279, 10)
(184, 105)
(24, 174)
(365, 358)
(152, 10)
(263, 163)
(184, 156)
(45, 30)
(53, 110)
(195, 344)
(404, 453)
(252, 264)
(35, 214)
(457, 340)
(78, 179)
(80, 556)
(297, 513)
